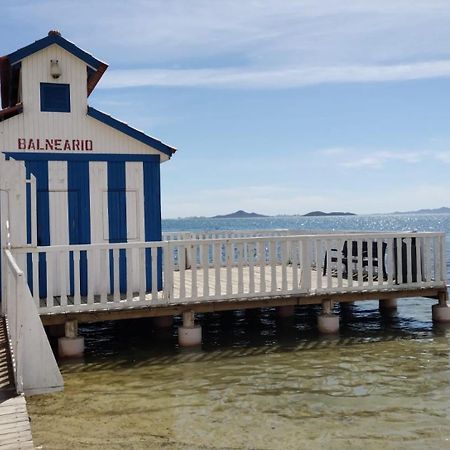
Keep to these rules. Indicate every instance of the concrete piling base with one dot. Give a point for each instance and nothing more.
(441, 313)
(328, 323)
(189, 334)
(71, 345)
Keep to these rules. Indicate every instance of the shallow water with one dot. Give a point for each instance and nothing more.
(257, 383)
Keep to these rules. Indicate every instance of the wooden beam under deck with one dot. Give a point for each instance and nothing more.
(215, 305)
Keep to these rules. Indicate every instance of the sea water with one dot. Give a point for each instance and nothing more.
(260, 382)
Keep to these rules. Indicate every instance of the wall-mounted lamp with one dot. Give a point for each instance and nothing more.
(55, 69)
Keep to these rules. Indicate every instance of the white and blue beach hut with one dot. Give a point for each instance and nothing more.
(97, 178)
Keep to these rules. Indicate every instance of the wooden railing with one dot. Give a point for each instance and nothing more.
(228, 234)
(307, 264)
(106, 276)
(34, 366)
(12, 311)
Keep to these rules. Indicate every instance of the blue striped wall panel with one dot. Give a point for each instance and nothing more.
(40, 170)
(79, 207)
(152, 212)
(117, 217)
(79, 215)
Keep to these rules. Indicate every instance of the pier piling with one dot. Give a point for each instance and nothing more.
(189, 334)
(327, 322)
(71, 345)
(441, 311)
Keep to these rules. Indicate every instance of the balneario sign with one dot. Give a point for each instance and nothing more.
(82, 145)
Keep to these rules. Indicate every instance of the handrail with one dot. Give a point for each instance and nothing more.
(34, 365)
(13, 319)
(162, 243)
(12, 263)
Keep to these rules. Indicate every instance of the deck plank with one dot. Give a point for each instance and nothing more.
(15, 429)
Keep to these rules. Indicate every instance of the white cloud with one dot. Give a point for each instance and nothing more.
(253, 43)
(443, 157)
(274, 78)
(377, 159)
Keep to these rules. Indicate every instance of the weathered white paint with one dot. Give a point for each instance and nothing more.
(98, 187)
(12, 223)
(134, 177)
(59, 221)
(34, 365)
(33, 123)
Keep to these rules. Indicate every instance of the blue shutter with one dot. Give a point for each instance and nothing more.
(55, 97)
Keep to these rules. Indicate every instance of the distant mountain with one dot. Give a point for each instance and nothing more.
(443, 210)
(239, 215)
(334, 213)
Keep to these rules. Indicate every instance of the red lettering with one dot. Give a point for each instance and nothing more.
(55, 144)
(38, 145)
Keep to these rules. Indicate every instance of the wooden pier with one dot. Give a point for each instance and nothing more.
(15, 429)
(137, 308)
(68, 284)
(217, 272)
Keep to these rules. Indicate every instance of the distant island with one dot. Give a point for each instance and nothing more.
(239, 215)
(333, 213)
(442, 210)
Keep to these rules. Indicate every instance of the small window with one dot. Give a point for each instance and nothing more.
(55, 97)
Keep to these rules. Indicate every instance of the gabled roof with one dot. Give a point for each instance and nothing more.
(10, 65)
(54, 37)
(130, 131)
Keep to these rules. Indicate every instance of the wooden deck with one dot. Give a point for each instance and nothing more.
(238, 294)
(264, 279)
(15, 429)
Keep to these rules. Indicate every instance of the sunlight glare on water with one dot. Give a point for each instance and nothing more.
(260, 382)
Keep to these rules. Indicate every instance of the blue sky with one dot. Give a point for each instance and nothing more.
(279, 107)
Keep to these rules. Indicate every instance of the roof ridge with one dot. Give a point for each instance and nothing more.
(123, 127)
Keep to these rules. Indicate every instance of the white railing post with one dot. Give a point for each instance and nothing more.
(444, 275)
(168, 269)
(306, 269)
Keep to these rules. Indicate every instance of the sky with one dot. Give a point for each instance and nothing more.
(275, 106)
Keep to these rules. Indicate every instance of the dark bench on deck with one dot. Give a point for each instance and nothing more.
(354, 257)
